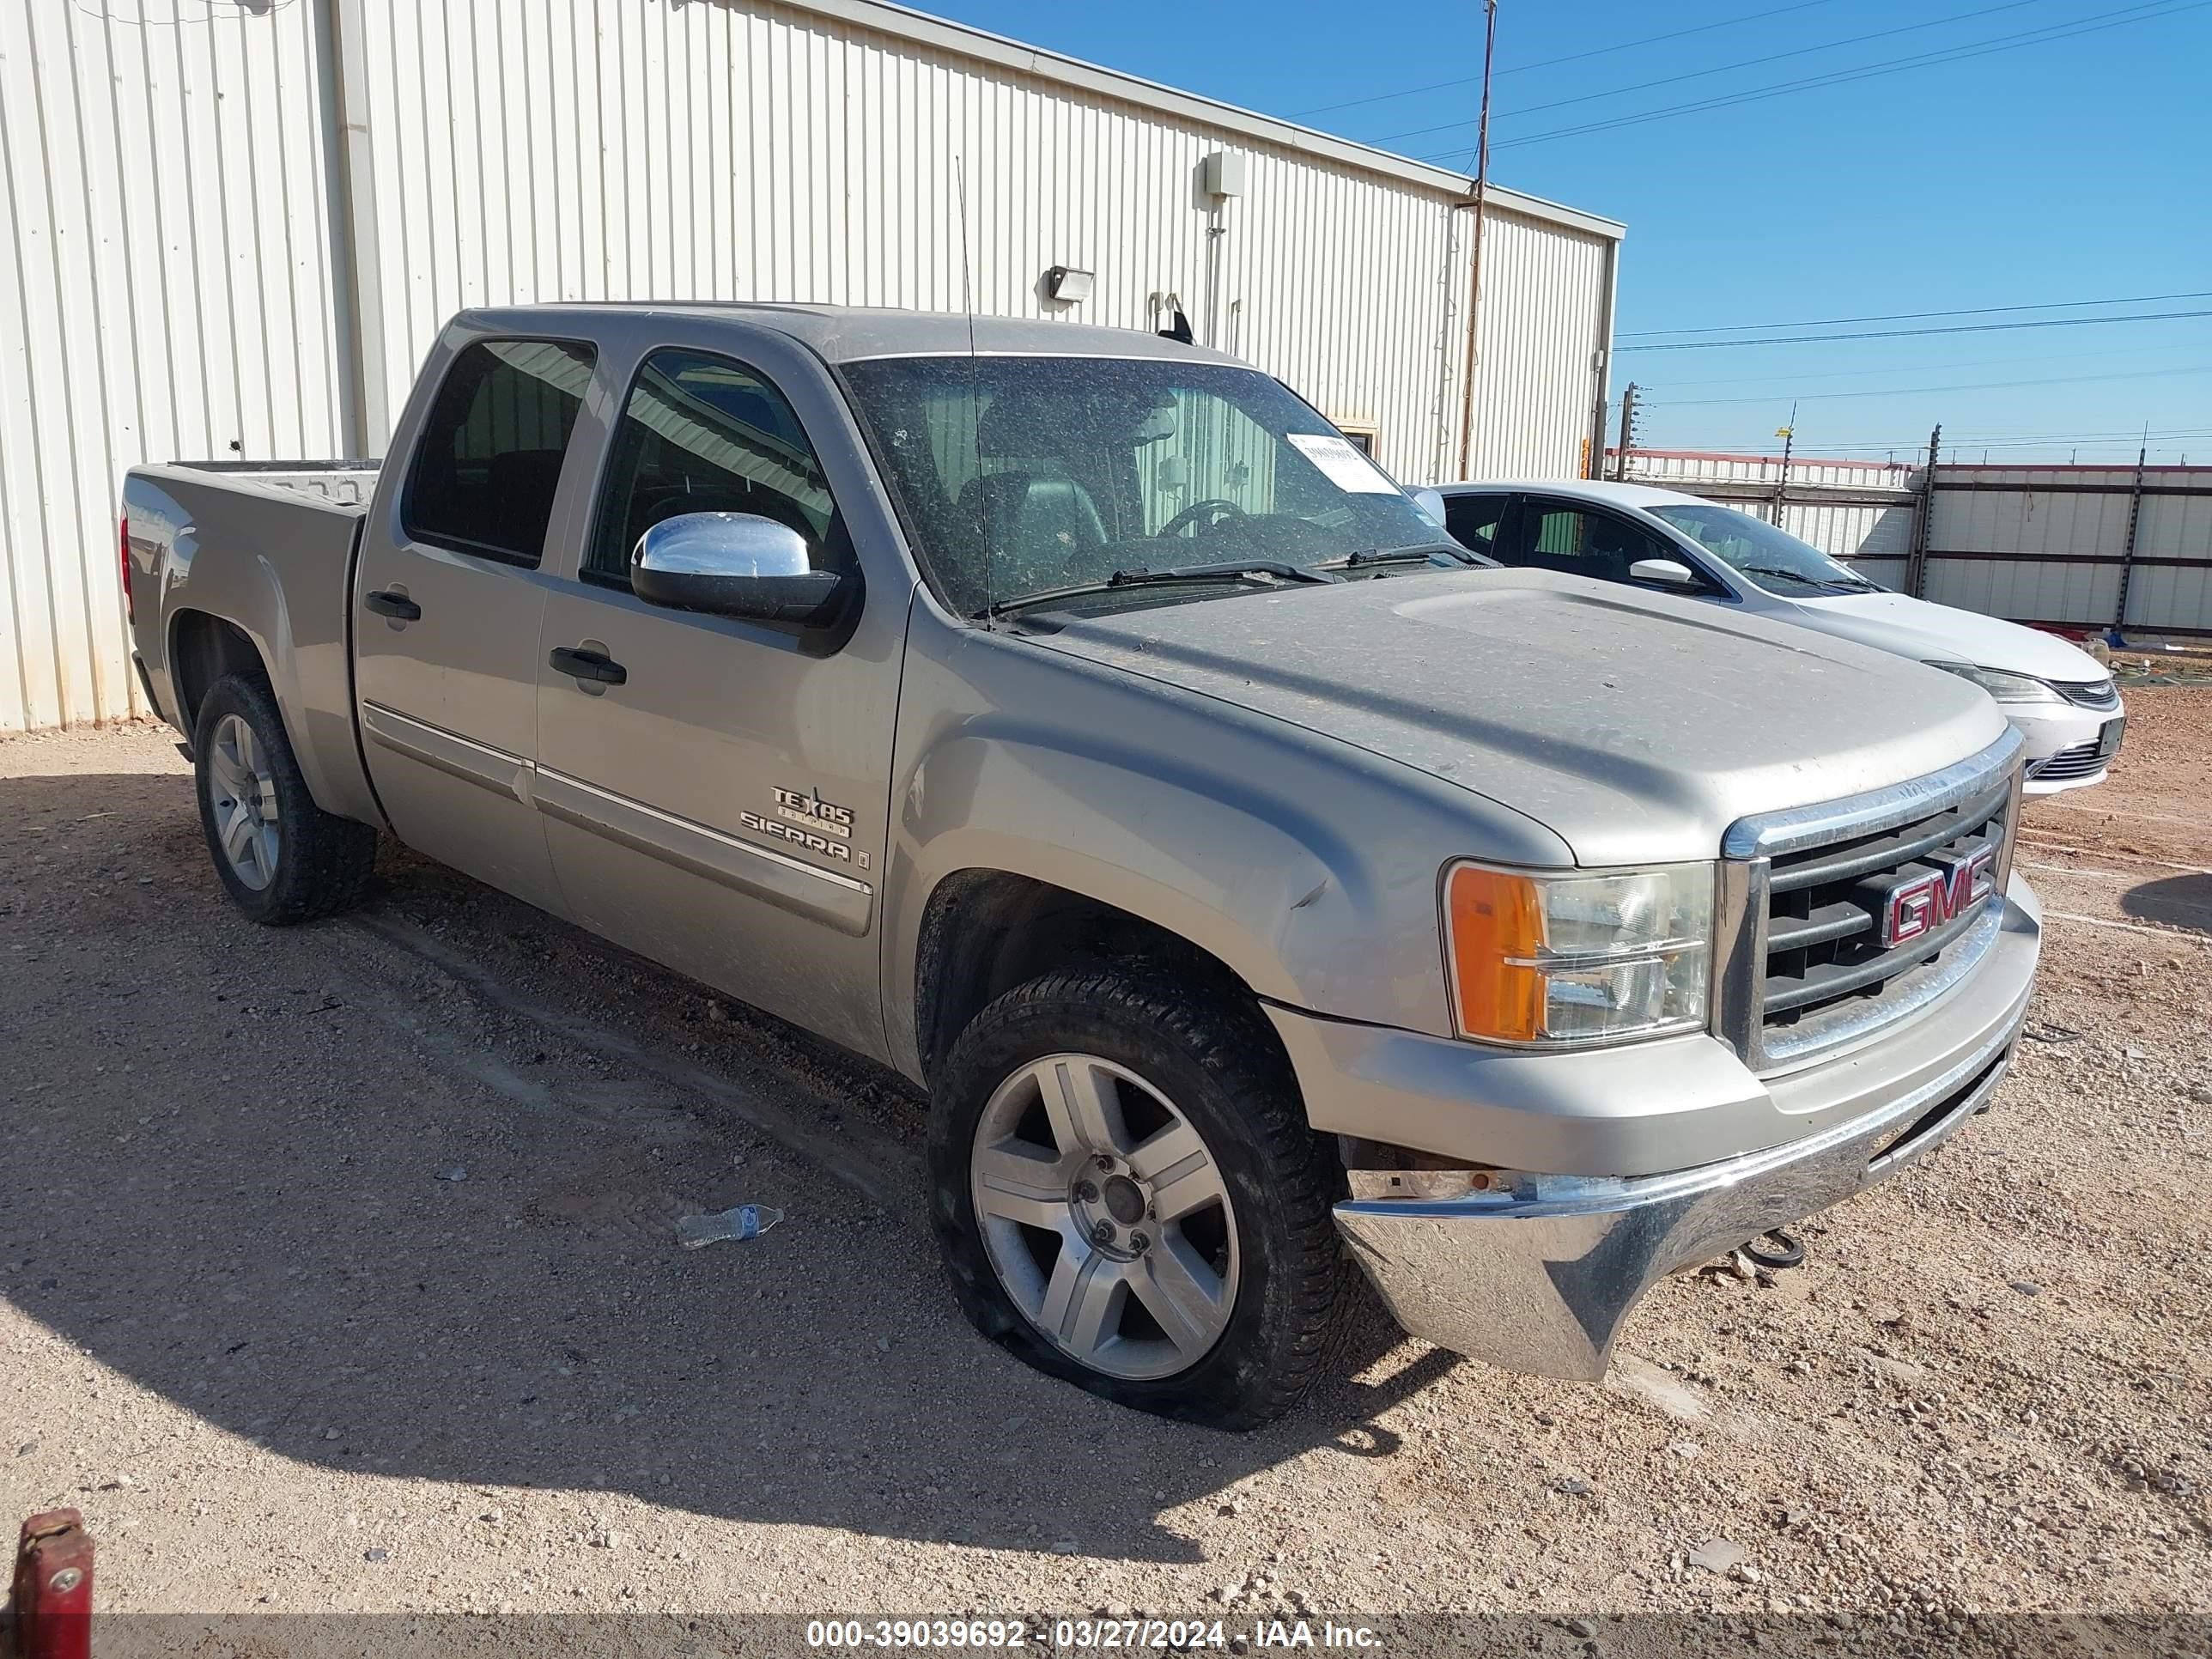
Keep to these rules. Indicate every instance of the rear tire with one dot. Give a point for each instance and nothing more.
(1183, 1261)
(281, 858)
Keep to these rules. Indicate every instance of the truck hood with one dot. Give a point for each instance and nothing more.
(1938, 633)
(1635, 727)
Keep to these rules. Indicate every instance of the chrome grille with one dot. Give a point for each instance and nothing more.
(2083, 760)
(2089, 694)
(1810, 970)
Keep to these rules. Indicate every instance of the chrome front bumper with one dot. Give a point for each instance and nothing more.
(1539, 1274)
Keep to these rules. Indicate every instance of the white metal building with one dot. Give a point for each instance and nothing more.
(234, 226)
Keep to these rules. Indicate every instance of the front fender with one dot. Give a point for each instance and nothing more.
(1307, 866)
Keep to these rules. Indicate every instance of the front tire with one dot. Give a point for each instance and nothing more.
(281, 858)
(1128, 1197)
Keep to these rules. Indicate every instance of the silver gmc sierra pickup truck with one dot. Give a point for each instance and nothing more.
(1074, 720)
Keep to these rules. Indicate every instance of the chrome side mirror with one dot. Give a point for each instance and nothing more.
(1667, 573)
(735, 564)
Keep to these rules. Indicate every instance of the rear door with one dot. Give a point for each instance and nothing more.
(722, 806)
(1478, 522)
(448, 602)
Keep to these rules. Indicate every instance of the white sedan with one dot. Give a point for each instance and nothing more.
(2061, 698)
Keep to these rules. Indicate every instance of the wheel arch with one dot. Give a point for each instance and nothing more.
(203, 648)
(984, 931)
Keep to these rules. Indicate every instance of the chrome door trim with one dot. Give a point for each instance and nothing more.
(844, 901)
(449, 752)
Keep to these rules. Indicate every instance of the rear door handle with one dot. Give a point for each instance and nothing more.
(398, 607)
(588, 666)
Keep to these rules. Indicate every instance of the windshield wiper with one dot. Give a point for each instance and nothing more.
(1422, 553)
(1852, 584)
(1797, 576)
(1265, 571)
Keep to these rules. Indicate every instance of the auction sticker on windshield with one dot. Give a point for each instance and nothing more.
(1341, 465)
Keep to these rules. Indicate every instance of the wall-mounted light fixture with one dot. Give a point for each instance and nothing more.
(1068, 286)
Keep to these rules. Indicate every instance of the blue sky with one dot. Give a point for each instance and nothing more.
(2077, 169)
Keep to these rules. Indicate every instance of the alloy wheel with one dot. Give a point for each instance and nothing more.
(243, 792)
(1105, 1217)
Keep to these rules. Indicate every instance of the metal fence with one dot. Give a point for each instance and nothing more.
(2088, 547)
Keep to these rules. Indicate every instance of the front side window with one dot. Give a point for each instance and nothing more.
(1024, 475)
(702, 433)
(1774, 559)
(1583, 543)
(488, 459)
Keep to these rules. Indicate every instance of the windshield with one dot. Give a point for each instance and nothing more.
(1776, 560)
(1025, 475)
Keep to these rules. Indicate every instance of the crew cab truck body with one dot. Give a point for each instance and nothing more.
(1074, 721)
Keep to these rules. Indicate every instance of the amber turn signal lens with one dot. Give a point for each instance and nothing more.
(1496, 929)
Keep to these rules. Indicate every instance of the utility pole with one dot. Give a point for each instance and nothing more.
(1916, 567)
(1789, 436)
(1627, 431)
(2128, 551)
(1474, 259)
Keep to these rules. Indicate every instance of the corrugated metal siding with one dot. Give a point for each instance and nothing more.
(2038, 544)
(1848, 510)
(2024, 525)
(1542, 326)
(1851, 530)
(1659, 466)
(2052, 520)
(169, 293)
(179, 288)
(717, 152)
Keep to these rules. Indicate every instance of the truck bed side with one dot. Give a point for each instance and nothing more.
(233, 568)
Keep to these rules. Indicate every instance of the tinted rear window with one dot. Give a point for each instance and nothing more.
(489, 456)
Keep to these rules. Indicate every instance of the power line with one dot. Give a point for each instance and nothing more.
(2003, 43)
(1915, 391)
(2086, 441)
(1911, 333)
(1921, 316)
(1722, 69)
(1551, 62)
(1790, 379)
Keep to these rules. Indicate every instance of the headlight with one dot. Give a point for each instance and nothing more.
(2005, 687)
(1579, 959)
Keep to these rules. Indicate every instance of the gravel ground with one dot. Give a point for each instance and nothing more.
(337, 1272)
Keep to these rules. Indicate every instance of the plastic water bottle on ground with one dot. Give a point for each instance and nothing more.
(745, 1221)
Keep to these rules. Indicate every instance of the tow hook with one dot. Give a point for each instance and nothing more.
(1774, 1248)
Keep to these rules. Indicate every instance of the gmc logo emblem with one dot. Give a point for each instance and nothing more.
(1917, 907)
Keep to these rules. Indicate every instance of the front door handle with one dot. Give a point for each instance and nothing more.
(588, 666)
(398, 607)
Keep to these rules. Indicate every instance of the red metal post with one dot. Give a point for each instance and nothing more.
(54, 1588)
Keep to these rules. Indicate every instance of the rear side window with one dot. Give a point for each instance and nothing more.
(1473, 521)
(488, 457)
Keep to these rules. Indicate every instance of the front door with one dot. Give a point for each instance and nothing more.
(1580, 539)
(448, 608)
(715, 795)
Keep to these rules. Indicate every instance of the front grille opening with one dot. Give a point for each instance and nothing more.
(1903, 1143)
(2083, 760)
(1824, 949)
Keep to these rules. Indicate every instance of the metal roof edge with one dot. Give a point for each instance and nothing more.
(903, 22)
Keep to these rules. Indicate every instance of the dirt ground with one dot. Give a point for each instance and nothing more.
(337, 1272)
